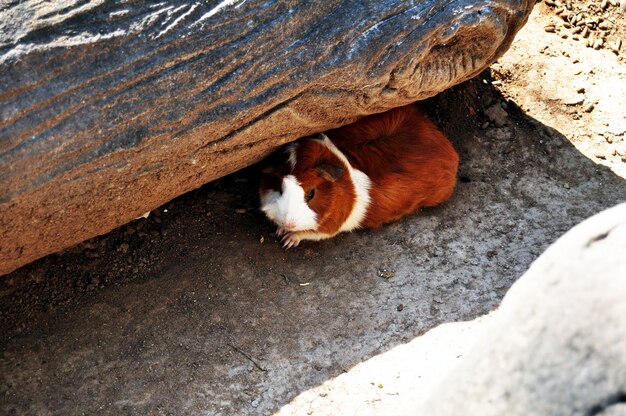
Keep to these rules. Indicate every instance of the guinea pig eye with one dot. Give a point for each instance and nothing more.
(310, 195)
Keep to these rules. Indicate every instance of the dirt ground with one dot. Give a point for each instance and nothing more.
(196, 309)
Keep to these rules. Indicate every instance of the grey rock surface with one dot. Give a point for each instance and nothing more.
(110, 109)
(557, 344)
(197, 309)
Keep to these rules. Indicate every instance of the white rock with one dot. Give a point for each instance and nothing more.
(557, 344)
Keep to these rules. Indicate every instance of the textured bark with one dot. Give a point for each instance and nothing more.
(109, 109)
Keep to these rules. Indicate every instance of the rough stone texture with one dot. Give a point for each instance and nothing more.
(557, 344)
(109, 109)
(146, 319)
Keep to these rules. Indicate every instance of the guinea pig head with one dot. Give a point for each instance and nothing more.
(302, 193)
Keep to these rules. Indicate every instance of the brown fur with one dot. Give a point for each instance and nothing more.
(333, 199)
(410, 162)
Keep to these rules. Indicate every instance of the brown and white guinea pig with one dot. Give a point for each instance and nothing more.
(365, 174)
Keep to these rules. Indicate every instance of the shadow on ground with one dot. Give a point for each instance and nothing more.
(197, 309)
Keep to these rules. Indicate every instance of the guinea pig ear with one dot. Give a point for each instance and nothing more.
(329, 172)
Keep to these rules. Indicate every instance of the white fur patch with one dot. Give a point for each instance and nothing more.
(362, 184)
(291, 155)
(288, 208)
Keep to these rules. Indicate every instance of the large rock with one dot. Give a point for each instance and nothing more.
(109, 109)
(557, 344)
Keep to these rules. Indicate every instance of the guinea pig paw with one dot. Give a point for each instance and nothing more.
(280, 231)
(290, 240)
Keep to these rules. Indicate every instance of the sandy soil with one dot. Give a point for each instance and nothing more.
(576, 89)
(197, 310)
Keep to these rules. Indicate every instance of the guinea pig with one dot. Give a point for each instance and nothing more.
(362, 175)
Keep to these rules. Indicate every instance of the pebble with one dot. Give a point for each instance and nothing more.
(615, 46)
(598, 43)
(549, 28)
(497, 115)
(574, 99)
(585, 32)
(386, 274)
(588, 108)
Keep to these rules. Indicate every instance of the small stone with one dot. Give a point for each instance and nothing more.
(574, 99)
(386, 274)
(598, 43)
(600, 156)
(549, 28)
(588, 108)
(585, 32)
(400, 308)
(615, 46)
(497, 115)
